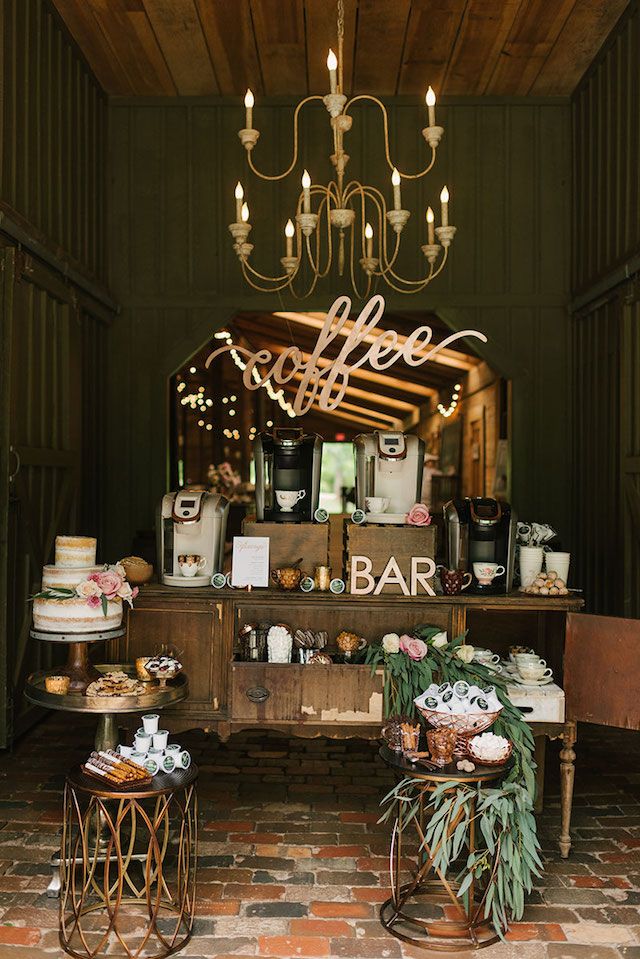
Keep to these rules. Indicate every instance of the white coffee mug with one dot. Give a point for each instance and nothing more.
(287, 498)
(485, 656)
(485, 573)
(377, 504)
(192, 569)
(530, 563)
(558, 563)
(529, 659)
(534, 671)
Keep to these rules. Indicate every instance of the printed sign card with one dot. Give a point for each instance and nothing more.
(250, 561)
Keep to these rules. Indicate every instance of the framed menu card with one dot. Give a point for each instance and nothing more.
(250, 561)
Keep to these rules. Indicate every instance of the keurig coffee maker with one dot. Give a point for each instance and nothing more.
(287, 463)
(190, 528)
(481, 530)
(389, 468)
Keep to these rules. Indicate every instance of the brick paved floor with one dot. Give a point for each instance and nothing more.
(292, 862)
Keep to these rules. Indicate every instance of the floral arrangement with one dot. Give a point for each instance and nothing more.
(506, 840)
(97, 589)
(419, 515)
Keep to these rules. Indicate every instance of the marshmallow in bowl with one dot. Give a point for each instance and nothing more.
(489, 746)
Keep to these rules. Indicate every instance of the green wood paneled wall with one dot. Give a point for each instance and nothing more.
(173, 168)
(605, 329)
(606, 124)
(53, 134)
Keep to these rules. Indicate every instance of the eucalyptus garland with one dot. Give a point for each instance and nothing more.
(507, 848)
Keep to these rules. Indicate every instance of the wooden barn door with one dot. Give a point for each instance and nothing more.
(44, 339)
(630, 451)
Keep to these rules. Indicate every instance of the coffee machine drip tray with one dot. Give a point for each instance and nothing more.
(396, 519)
(186, 581)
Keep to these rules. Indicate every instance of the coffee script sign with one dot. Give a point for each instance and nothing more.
(361, 581)
(320, 384)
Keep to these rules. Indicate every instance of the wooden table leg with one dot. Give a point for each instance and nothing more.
(541, 750)
(567, 774)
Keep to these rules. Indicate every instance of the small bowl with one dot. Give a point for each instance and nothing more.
(504, 758)
(141, 671)
(137, 570)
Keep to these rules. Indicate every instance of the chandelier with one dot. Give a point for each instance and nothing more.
(348, 222)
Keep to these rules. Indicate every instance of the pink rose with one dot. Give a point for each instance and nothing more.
(109, 582)
(94, 601)
(414, 648)
(419, 515)
(88, 588)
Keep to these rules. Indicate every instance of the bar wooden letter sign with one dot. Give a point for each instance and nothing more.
(423, 569)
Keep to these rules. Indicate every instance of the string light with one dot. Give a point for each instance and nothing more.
(448, 411)
(276, 395)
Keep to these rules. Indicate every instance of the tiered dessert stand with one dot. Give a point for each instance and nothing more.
(105, 708)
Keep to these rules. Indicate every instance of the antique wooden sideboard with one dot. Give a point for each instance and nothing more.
(338, 701)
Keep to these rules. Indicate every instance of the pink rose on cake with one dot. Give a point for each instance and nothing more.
(414, 648)
(88, 590)
(94, 601)
(127, 594)
(419, 515)
(109, 582)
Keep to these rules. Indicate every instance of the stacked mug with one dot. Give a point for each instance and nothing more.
(151, 748)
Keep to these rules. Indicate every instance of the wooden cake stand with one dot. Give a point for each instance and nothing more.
(77, 668)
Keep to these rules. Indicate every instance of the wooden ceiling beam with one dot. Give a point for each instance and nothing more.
(280, 41)
(367, 412)
(380, 45)
(431, 34)
(321, 35)
(228, 31)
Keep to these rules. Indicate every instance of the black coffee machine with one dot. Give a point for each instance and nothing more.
(481, 530)
(287, 463)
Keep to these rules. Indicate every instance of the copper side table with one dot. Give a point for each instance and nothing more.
(110, 902)
(425, 911)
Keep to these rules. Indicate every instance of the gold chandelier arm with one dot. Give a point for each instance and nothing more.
(281, 176)
(385, 121)
(280, 281)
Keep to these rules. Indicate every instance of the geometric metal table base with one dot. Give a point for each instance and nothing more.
(426, 911)
(132, 892)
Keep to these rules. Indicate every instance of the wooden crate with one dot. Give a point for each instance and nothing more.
(289, 542)
(379, 542)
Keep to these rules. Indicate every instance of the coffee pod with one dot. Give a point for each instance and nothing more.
(461, 689)
(358, 516)
(172, 748)
(125, 751)
(138, 758)
(161, 738)
(307, 584)
(142, 742)
(219, 580)
(337, 586)
(168, 763)
(152, 765)
(150, 723)
(184, 760)
(321, 515)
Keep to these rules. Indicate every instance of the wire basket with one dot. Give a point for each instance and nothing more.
(490, 762)
(466, 725)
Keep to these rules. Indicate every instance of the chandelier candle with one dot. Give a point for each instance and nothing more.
(444, 202)
(239, 198)
(395, 180)
(332, 66)
(248, 102)
(430, 229)
(306, 192)
(431, 106)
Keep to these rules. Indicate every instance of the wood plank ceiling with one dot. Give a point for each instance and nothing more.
(220, 47)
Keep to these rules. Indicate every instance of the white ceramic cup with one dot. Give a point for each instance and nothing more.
(377, 504)
(150, 723)
(530, 563)
(558, 563)
(287, 498)
(485, 573)
(535, 670)
(160, 739)
(485, 656)
(523, 659)
(192, 569)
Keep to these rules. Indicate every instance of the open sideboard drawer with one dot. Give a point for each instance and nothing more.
(292, 693)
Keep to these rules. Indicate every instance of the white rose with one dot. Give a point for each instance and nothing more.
(465, 653)
(119, 569)
(391, 643)
(439, 640)
(87, 589)
(125, 592)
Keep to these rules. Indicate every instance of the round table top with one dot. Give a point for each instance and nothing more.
(154, 697)
(160, 785)
(449, 773)
(100, 636)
